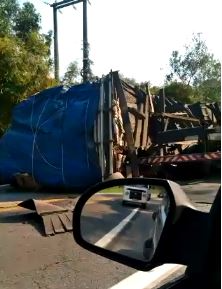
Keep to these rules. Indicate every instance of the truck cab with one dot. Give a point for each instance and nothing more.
(138, 195)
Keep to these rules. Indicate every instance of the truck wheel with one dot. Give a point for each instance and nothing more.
(123, 203)
(143, 206)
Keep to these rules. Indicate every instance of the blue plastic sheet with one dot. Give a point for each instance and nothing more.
(51, 138)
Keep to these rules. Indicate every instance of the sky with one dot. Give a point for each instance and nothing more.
(134, 37)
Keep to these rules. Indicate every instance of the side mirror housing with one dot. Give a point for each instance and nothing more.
(132, 221)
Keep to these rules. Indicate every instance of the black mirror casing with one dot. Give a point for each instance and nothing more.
(132, 262)
(189, 237)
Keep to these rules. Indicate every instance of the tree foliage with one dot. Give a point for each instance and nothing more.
(178, 91)
(8, 11)
(129, 80)
(72, 74)
(27, 20)
(154, 90)
(25, 62)
(198, 69)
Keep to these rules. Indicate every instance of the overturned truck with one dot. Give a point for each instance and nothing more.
(73, 137)
(173, 139)
(166, 138)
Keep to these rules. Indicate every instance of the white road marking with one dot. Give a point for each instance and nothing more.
(107, 239)
(147, 280)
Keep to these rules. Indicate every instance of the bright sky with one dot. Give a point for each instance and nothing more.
(135, 37)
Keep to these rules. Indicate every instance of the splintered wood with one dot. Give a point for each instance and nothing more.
(57, 223)
(55, 219)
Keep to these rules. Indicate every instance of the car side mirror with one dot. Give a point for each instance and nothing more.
(141, 223)
(120, 219)
(125, 219)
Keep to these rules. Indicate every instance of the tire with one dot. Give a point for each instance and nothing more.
(143, 206)
(160, 196)
(123, 203)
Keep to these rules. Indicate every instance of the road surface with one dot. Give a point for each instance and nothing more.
(131, 240)
(30, 261)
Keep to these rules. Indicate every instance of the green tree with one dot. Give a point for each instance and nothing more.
(198, 68)
(209, 90)
(8, 11)
(178, 91)
(25, 63)
(131, 81)
(72, 74)
(154, 90)
(11, 77)
(27, 20)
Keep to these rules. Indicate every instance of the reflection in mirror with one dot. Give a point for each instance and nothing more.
(126, 219)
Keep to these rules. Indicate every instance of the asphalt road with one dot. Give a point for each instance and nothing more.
(131, 240)
(104, 212)
(202, 192)
(101, 215)
(30, 261)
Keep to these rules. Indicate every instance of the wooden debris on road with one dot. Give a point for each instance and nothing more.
(55, 219)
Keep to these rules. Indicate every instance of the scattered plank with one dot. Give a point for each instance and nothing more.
(67, 223)
(56, 223)
(48, 225)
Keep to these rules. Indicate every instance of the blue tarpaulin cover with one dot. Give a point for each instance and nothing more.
(51, 138)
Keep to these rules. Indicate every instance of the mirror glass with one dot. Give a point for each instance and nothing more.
(126, 219)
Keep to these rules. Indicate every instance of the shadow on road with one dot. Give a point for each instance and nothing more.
(26, 218)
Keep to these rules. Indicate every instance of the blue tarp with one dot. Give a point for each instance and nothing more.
(51, 138)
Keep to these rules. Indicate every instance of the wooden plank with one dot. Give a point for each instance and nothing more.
(166, 124)
(126, 124)
(137, 113)
(138, 135)
(56, 223)
(151, 104)
(48, 225)
(67, 223)
(69, 216)
(147, 113)
(139, 128)
(135, 131)
(142, 124)
(178, 117)
(43, 208)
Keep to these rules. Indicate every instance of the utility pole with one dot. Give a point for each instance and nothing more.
(56, 48)
(85, 44)
(59, 5)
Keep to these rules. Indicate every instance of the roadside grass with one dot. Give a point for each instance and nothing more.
(113, 190)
